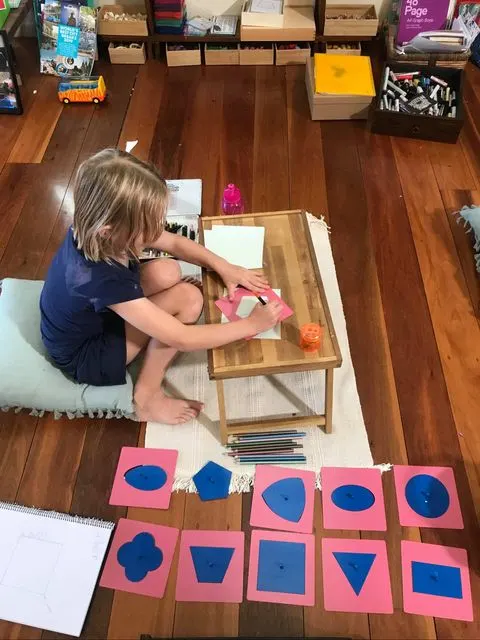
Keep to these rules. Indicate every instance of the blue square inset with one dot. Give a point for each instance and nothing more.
(281, 567)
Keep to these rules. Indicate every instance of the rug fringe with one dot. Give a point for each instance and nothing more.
(243, 483)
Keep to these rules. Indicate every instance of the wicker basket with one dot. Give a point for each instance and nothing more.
(454, 60)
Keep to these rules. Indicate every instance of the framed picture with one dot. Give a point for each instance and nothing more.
(10, 101)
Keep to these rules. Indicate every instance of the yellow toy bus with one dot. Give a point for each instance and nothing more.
(87, 90)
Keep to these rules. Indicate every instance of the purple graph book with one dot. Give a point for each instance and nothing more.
(421, 15)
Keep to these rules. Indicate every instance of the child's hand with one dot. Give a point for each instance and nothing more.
(265, 317)
(233, 276)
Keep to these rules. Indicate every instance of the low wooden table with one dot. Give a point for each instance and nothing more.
(290, 265)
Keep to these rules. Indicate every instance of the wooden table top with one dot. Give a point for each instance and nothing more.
(290, 265)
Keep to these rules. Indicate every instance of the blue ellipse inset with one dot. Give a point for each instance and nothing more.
(353, 497)
(427, 496)
(146, 477)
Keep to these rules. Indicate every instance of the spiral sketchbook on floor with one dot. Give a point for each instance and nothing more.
(49, 565)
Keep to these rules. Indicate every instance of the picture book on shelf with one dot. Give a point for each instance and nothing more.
(417, 16)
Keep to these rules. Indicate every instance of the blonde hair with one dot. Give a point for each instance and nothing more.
(118, 200)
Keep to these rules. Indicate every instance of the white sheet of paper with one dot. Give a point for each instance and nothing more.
(242, 246)
(49, 567)
(185, 197)
(245, 309)
(266, 6)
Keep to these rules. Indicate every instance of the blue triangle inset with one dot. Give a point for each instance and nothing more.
(355, 566)
(286, 498)
(211, 563)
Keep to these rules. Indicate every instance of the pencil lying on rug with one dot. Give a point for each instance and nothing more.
(271, 460)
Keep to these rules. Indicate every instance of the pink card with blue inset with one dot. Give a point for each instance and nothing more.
(353, 499)
(144, 478)
(210, 567)
(283, 499)
(356, 576)
(282, 568)
(436, 581)
(427, 497)
(140, 558)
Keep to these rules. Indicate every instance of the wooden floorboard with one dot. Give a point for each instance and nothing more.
(406, 273)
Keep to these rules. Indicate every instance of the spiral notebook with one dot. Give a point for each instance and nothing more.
(49, 565)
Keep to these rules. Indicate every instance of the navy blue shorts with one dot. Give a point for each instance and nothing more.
(101, 360)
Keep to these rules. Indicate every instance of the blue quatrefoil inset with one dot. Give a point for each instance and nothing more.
(286, 498)
(427, 496)
(146, 477)
(353, 497)
(139, 556)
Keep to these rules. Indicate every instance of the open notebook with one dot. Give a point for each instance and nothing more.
(49, 565)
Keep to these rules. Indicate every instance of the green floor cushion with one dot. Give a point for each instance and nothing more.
(29, 380)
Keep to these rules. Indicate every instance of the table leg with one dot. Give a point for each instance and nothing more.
(328, 400)
(222, 412)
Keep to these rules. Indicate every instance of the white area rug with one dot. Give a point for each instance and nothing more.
(281, 395)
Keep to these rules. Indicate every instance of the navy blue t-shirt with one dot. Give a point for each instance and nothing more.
(84, 338)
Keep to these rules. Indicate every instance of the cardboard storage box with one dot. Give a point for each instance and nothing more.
(298, 26)
(334, 49)
(122, 27)
(256, 56)
(365, 22)
(423, 127)
(188, 57)
(255, 19)
(292, 56)
(124, 54)
(214, 55)
(334, 107)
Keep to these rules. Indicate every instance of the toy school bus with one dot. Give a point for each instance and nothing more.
(89, 90)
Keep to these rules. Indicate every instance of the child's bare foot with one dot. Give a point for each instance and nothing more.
(161, 408)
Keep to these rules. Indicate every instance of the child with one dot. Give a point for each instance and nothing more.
(100, 307)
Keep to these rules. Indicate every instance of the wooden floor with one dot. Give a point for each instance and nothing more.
(410, 293)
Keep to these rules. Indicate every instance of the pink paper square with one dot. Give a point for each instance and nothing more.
(451, 519)
(375, 596)
(231, 588)
(306, 599)
(334, 517)
(262, 516)
(433, 605)
(154, 583)
(125, 495)
(229, 308)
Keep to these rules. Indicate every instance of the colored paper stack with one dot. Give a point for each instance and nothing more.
(272, 447)
(169, 16)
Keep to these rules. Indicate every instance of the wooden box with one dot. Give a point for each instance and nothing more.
(124, 54)
(184, 57)
(298, 26)
(122, 27)
(423, 127)
(334, 107)
(364, 22)
(215, 56)
(336, 50)
(253, 19)
(256, 56)
(292, 56)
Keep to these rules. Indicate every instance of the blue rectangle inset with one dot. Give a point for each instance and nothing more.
(437, 580)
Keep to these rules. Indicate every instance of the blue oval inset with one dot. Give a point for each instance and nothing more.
(146, 477)
(353, 497)
(427, 496)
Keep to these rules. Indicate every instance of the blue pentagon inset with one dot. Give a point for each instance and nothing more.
(212, 481)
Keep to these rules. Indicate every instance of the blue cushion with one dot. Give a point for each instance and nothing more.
(29, 380)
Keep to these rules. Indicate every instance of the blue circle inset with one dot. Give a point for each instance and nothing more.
(146, 477)
(353, 497)
(427, 496)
